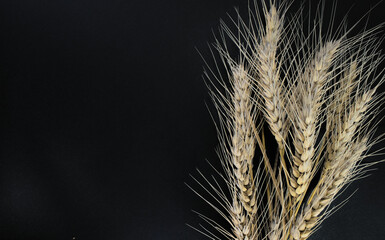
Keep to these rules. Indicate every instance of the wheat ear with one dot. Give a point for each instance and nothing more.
(312, 87)
(311, 216)
(242, 149)
(343, 154)
(269, 84)
(340, 142)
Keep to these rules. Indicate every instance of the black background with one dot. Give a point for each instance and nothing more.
(103, 117)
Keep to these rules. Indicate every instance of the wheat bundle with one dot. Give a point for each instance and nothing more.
(315, 92)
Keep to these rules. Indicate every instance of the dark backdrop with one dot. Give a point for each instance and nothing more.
(103, 117)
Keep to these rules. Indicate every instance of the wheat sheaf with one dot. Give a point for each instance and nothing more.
(314, 90)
